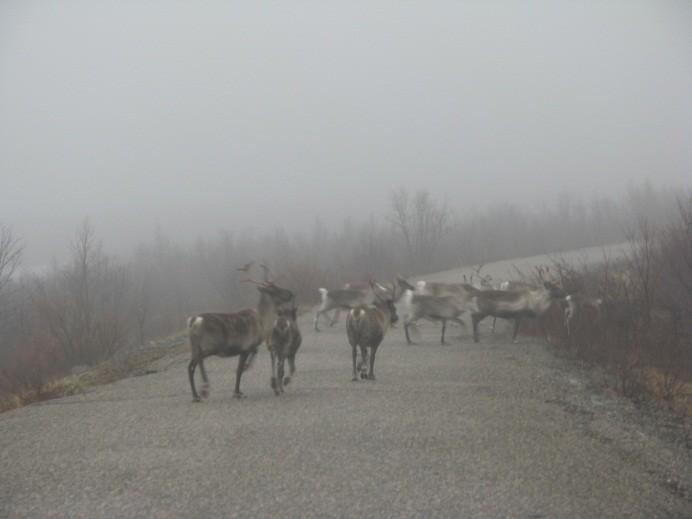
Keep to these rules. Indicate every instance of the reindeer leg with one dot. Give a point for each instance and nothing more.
(317, 318)
(354, 349)
(191, 375)
(444, 328)
(280, 374)
(362, 366)
(371, 374)
(238, 374)
(494, 323)
(475, 321)
(407, 323)
(274, 384)
(205, 384)
(517, 322)
(291, 368)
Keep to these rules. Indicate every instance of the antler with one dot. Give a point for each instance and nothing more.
(246, 267)
(260, 283)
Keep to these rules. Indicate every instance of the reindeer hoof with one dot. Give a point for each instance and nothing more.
(287, 381)
(196, 400)
(355, 378)
(239, 394)
(371, 377)
(273, 383)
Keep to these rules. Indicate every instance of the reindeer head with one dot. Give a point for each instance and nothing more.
(277, 294)
(289, 312)
(386, 303)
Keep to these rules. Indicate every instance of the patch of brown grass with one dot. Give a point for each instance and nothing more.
(107, 372)
(677, 392)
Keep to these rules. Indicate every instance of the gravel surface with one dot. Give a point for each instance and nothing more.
(463, 430)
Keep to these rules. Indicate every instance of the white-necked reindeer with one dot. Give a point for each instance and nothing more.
(578, 304)
(542, 273)
(351, 296)
(237, 334)
(283, 344)
(513, 304)
(438, 308)
(366, 326)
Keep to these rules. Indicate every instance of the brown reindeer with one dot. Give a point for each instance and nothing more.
(513, 304)
(236, 334)
(283, 345)
(366, 326)
(351, 296)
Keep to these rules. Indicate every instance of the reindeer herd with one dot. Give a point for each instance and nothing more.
(372, 312)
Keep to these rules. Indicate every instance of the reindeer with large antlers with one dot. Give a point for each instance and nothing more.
(236, 334)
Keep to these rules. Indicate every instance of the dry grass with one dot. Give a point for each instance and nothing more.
(133, 364)
(678, 393)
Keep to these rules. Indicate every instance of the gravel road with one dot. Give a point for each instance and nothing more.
(463, 430)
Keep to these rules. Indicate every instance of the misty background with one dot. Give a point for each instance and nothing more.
(191, 118)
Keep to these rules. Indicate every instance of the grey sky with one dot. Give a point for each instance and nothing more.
(200, 115)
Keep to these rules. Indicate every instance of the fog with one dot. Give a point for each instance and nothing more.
(194, 117)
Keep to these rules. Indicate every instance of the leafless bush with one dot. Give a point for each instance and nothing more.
(83, 304)
(641, 333)
(422, 223)
(95, 305)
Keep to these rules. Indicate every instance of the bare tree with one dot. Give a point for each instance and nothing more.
(83, 304)
(422, 223)
(12, 304)
(11, 250)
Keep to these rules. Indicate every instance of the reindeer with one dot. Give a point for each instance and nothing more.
(512, 286)
(440, 308)
(283, 343)
(578, 304)
(236, 334)
(351, 296)
(439, 289)
(513, 304)
(518, 285)
(366, 326)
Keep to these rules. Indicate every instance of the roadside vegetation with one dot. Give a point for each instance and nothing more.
(93, 318)
(632, 317)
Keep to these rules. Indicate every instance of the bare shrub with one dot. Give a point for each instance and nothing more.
(83, 304)
(421, 223)
(641, 333)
